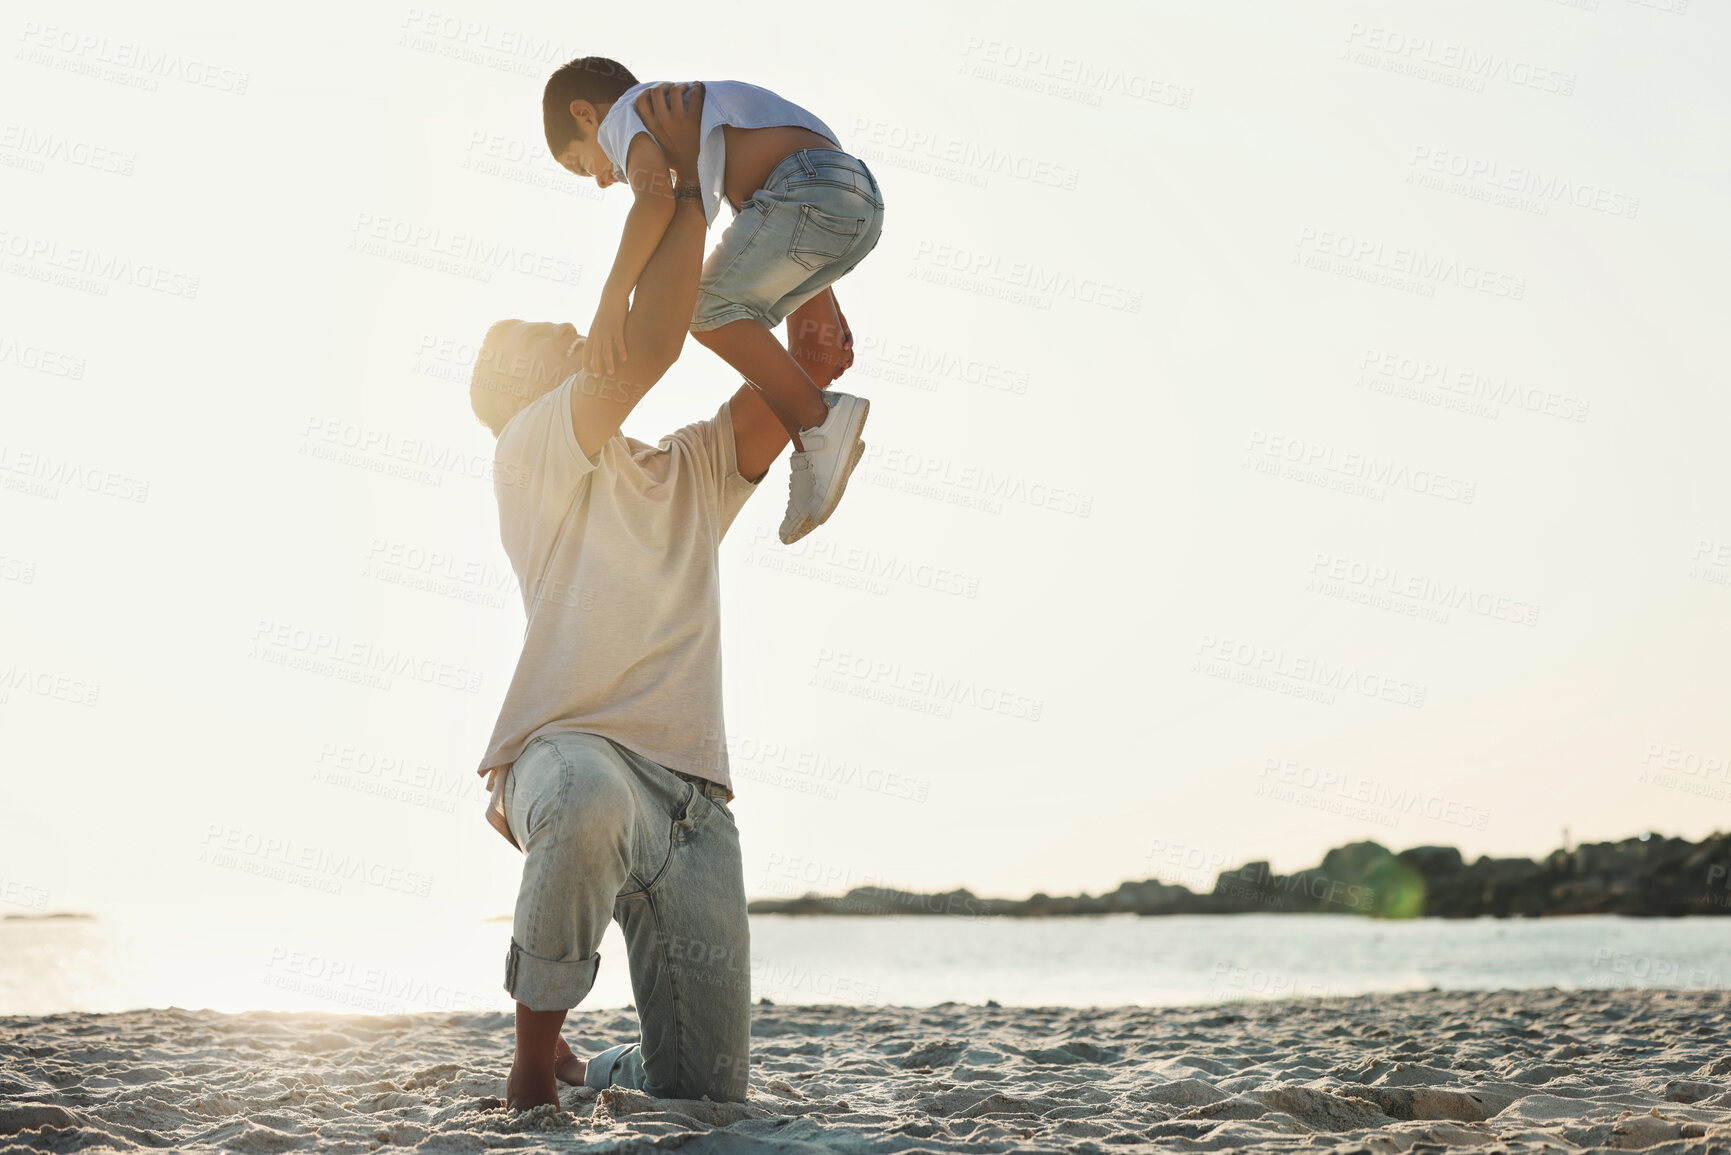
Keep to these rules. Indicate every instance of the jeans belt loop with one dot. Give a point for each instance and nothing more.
(706, 787)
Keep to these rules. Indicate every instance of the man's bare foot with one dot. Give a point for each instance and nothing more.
(566, 1065)
(532, 1082)
(526, 1089)
(818, 337)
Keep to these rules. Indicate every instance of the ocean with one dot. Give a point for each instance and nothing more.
(57, 965)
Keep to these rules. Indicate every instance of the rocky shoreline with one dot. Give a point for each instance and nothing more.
(1646, 876)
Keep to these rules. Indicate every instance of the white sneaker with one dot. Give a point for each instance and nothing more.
(821, 469)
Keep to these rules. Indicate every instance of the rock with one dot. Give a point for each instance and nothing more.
(1321, 1111)
(16, 1117)
(1433, 1102)
(1690, 1090)
(1637, 1131)
(1183, 1093)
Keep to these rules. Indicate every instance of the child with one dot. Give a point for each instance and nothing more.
(805, 213)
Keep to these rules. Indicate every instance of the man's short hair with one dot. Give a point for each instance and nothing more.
(593, 78)
(501, 382)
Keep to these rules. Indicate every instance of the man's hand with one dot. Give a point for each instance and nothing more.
(673, 114)
(604, 346)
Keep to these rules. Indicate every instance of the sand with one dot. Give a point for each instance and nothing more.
(1526, 1071)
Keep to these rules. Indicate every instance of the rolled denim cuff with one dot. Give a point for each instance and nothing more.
(544, 985)
(713, 312)
(599, 1073)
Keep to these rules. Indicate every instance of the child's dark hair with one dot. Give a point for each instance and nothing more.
(593, 78)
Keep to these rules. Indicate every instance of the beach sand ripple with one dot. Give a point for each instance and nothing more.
(1408, 1073)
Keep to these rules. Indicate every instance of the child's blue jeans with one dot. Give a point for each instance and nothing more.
(815, 218)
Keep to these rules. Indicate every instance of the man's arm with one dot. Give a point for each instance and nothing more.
(758, 434)
(666, 292)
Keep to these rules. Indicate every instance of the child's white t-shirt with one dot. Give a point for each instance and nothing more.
(724, 102)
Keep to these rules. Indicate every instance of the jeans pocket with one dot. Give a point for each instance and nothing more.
(820, 238)
(725, 812)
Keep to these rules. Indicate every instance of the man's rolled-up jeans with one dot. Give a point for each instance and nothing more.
(609, 834)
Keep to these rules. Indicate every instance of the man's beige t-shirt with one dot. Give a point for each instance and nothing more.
(616, 558)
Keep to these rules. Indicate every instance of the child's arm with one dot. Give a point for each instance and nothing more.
(651, 210)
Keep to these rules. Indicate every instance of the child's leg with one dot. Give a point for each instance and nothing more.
(818, 214)
(757, 356)
(819, 338)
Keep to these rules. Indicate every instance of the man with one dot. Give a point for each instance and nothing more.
(608, 764)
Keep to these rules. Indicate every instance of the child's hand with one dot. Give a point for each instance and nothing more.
(604, 348)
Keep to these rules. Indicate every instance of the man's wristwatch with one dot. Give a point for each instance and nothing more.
(688, 191)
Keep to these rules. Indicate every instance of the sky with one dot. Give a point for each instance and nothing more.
(1292, 424)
